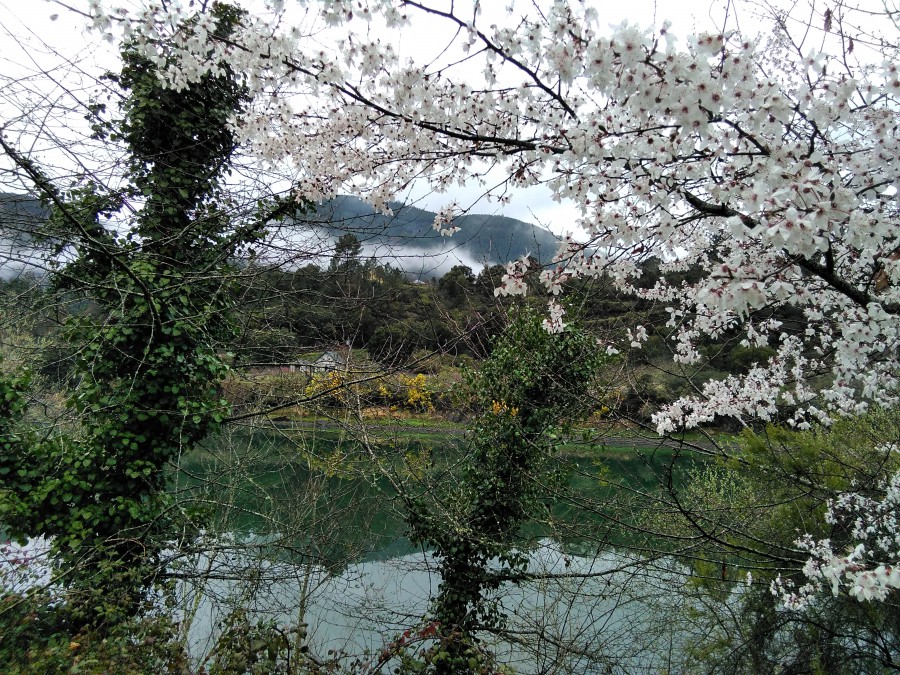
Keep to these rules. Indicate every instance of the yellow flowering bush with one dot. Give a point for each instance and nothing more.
(330, 387)
(418, 396)
(500, 408)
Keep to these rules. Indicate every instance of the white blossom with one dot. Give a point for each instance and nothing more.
(869, 569)
(554, 323)
(767, 172)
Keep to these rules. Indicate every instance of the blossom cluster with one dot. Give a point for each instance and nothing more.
(871, 568)
(767, 170)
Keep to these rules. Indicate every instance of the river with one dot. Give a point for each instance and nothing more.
(309, 532)
(333, 555)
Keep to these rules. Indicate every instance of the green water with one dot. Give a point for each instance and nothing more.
(328, 497)
(323, 498)
(329, 501)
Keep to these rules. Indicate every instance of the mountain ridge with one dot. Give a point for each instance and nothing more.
(407, 236)
(487, 238)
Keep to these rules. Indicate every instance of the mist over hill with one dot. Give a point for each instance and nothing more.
(19, 251)
(16, 209)
(408, 235)
(406, 239)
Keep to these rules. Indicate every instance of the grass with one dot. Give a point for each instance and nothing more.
(426, 431)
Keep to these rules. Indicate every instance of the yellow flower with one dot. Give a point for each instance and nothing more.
(500, 408)
(418, 396)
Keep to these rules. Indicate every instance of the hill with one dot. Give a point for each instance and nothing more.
(406, 238)
(489, 239)
(16, 209)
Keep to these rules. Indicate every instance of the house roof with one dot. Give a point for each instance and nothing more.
(331, 357)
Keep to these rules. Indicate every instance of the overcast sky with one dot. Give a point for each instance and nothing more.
(34, 36)
(534, 204)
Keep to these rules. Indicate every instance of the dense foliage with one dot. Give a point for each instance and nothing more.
(530, 390)
(734, 521)
(148, 366)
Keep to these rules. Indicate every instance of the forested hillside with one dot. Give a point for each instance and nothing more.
(364, 303)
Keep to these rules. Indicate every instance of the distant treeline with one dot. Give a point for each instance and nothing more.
(369, 304)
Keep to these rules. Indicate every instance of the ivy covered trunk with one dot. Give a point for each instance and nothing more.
(533, 386)
(148, 368)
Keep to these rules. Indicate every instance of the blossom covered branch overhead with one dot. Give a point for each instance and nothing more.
(765, 165)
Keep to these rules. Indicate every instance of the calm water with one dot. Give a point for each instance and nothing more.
(327, 496)
(310, 531)
(319, 538)
(598, 614)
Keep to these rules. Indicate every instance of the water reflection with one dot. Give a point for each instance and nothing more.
(577, 614)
